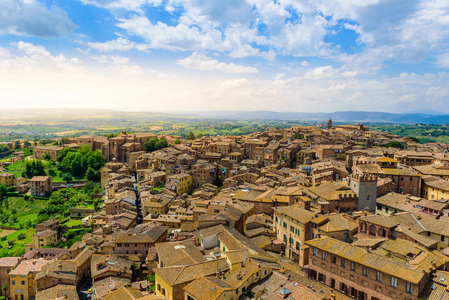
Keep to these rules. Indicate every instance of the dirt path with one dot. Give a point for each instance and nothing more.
(6, 232)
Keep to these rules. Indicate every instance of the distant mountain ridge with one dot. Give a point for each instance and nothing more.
(338, 116)
(348, 116)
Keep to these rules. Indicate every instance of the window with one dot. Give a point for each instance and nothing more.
(353, 268)
(276, 218)
(297, 231)
(297, 246)
(324, 255)
(13, 283)
(292, 229)
(379, 276)
(285, 225)
(365, 271)
(409, 288)
(394, 282)
(442, 238)
(292, 242)
(22, 282)
(315, 251)
(333, 259)
(343, 263)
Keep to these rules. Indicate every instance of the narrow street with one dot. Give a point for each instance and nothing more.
(138, 203)
(83, 291)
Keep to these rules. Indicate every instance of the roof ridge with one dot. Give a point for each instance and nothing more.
(179, 273)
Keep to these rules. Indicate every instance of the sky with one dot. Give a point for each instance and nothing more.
(188, 55)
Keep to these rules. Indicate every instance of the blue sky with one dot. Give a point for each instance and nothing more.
(166, 55)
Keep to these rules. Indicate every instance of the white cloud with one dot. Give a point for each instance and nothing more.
(443, 60)
(119, 44)
(31, 18)
(111, 59)
(198, 61)
(55, 80)
(121, 4)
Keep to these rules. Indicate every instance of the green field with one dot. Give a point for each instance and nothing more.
(24, 210)
(73, 223)
(18, 167)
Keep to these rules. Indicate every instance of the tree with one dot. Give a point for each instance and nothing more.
(414, 139)
(162, 143)
(47, 156)
(10, 243)
(21, 236)
(191, 136)
(12, 219)
(89, 188)
(150, 145)
(394, 144)
(63, 153)
(28, 224)
(27, 144)
(33, 168)
(199, 136)
(177, 141)
(17, 144)
(5, 287)
(64, 140)
(218, 181)
(67, 177)
(3, 192)
(93, 175)
(4, 148)
(35, 141)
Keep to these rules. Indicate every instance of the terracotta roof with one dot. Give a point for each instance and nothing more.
(124, 293)
(46, 233)
(183, 274)
(208, 288)
(296, 213)
(59, 292)
(381, 220)
(27, 266)
(9, 262)
(374, 261)
(179, 253)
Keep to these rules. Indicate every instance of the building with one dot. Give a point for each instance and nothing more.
(365, 186)
(58, 292)
(293, 226)
(41, 185)
(21, 279)
(170, 281)
(44, 238)
(434, 188)
(179, 183)
(121, 146)
(139, 240)
(373, 274)
(7, 179)
(58, 272)
(40, 152)
(405, 181)
(6, 265)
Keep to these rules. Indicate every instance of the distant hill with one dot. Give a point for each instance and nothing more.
(348, 116)
(72, 114)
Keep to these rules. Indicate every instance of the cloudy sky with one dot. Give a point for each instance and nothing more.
(282, 55)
